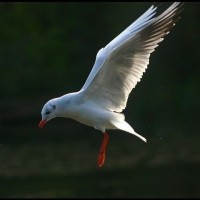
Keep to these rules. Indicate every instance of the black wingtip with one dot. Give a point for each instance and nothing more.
(161, 7)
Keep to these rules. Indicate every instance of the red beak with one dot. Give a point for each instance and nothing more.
(42, 123)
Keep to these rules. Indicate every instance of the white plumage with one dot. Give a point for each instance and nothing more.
(116, 71)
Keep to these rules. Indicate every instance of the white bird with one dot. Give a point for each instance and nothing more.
(117, 69)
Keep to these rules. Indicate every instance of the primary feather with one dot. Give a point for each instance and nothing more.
(121, 64)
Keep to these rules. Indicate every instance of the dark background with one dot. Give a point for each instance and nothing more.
(47, 50)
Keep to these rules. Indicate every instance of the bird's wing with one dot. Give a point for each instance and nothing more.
(121, 64)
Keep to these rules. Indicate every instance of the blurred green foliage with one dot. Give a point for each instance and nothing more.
(47, 50)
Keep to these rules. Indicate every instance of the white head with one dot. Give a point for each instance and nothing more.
(49, 111)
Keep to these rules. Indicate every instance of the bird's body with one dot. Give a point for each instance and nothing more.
(74, 106)
(116, 71)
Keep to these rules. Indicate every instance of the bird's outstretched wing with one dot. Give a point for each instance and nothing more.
(121, 64)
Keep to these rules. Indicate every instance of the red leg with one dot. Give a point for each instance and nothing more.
(102, 152)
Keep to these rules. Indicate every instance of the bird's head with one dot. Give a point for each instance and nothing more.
(48, 112)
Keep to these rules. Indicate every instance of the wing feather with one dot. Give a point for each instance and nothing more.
(121, 64)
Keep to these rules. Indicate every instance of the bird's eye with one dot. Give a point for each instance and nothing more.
(47, 112)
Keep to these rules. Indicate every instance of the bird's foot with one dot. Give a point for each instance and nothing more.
(102, 152)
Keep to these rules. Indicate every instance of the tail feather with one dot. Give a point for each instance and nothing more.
(123, 125)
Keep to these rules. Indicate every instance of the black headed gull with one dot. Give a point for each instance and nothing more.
(116, 71)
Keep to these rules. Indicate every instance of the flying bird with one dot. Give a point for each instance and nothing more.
(118, 67)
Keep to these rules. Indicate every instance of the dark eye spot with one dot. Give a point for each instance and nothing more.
(47, 112)
(54, 106)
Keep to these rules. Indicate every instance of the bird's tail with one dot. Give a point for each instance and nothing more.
(123, 125)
